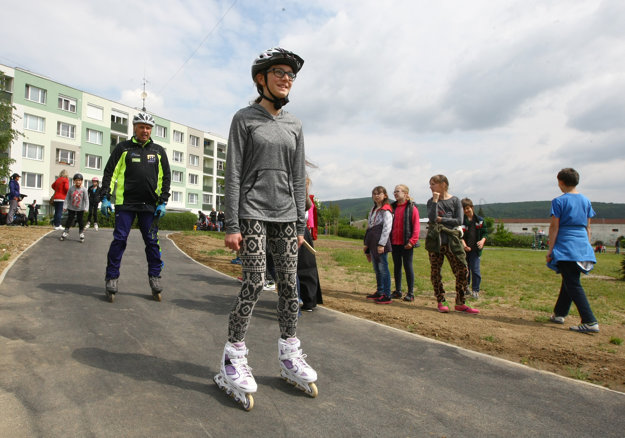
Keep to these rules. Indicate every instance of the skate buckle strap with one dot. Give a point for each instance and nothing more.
(293, 354)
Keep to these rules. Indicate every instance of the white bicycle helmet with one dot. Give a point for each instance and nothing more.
(271, 57)
(144, 118)
(275, 56)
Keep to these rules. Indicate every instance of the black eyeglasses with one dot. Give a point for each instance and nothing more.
(279, 73)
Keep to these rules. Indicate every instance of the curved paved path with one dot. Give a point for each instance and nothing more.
(72, 364)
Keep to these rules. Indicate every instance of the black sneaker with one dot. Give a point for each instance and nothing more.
(374, 296)
(384, 300)
(409, 298)
(396, 295)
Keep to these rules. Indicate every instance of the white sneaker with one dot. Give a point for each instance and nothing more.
(95, 226)
(87, 226)
(59, 228)
(269, 285)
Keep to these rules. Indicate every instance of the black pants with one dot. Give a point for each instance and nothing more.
(92, 217)
(309, 287)
(73, 216)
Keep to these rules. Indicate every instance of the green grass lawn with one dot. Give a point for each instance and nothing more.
(513, 277)
(510, 277)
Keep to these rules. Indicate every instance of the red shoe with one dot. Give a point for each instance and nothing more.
(443, 307)
(374, 296)
(466, 309)
(384, 300)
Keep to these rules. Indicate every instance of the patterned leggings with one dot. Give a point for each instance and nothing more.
(281, 240)
(457, 267)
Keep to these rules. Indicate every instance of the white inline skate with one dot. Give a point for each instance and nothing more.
(235, 377)
(293, 367)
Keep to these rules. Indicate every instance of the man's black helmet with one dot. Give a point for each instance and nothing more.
(275, 56)
(77, 176)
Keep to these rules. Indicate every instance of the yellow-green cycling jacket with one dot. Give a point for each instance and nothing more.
(137, 177)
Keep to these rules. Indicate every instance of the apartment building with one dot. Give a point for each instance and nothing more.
(66, 128)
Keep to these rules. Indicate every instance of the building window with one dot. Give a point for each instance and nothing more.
(176, 196)
(194, 160)
(67, 104)
(176, 176)
(32, 180)
(65, 130)
(34, 123)
(119, 118)
(32, 151)
(93, 161)
(195, 141)
(6, 84)
(95, 112)
(160, 131)
(94, 136)
(220, 165)
(615, 230)
(116, 139)
(193, 179)
(178, 157)
(35, 94)
(178, 136)
(63, 156)
(208, 199)
(192, 198)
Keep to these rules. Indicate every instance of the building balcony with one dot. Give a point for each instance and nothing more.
(119, 127)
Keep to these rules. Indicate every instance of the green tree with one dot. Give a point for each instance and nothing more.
(7, 133)
(328, 215)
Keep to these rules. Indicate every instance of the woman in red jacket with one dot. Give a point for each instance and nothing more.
(60, 186)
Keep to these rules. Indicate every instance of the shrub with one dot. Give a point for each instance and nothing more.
(503, 237)
(351, 232)
(173, 221)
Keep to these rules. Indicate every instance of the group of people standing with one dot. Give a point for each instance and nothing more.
(213, 222)
(76, 199)
(454, 232)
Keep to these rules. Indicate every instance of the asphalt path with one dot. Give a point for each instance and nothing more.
(74, 365)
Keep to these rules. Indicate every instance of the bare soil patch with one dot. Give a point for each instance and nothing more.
(503, 331)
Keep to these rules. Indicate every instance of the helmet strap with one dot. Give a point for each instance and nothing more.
(277, 102)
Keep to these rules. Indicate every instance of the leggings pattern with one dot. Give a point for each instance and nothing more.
(281, 240)
(458, 268)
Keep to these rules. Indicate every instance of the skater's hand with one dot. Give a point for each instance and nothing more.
(300, 241)
(105, 207)
(233, 241)
(160, 210)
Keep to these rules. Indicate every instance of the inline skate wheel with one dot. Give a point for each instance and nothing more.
(313, 391)
(249, 402)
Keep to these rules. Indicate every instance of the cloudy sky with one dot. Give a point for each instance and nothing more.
(497, 95)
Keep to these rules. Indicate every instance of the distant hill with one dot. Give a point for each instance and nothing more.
(358, 208)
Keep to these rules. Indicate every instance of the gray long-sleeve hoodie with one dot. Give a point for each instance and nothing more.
(265, 169)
